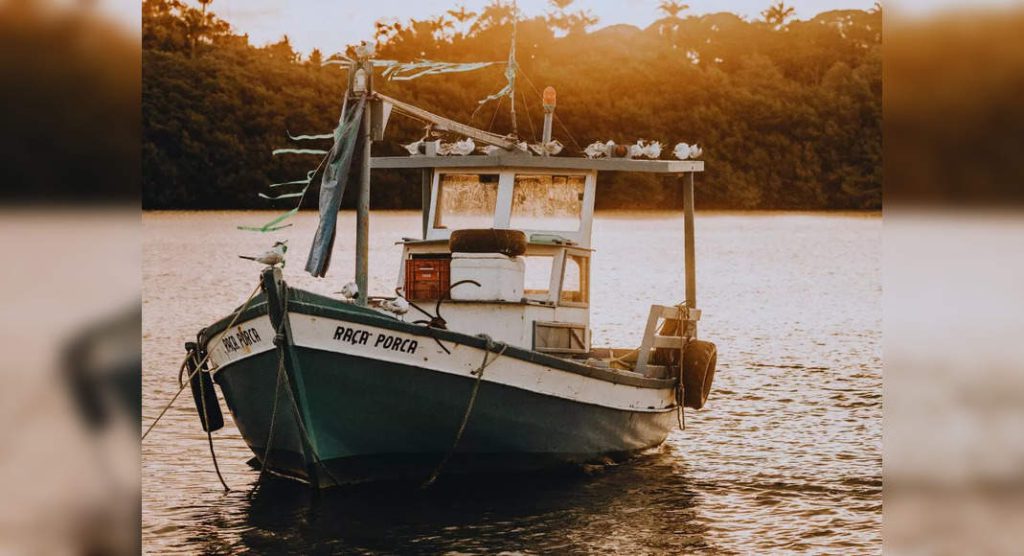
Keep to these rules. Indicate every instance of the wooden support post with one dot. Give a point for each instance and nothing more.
(363, 201)
(425, 184)
(688, 242)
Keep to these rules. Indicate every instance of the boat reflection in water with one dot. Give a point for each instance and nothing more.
(627, 509)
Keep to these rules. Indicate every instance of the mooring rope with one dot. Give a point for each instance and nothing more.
(198, 367)
(209, 436)
(281, 340)
(469, 407)
(273, 412)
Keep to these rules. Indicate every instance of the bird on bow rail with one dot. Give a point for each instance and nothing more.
(272, 257)
(350, 291)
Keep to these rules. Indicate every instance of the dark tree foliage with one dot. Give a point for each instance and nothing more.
(788, 112)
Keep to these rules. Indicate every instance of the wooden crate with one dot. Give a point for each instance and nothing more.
(427, 278)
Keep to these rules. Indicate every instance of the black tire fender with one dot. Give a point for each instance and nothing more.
(507, 242)
(699, 361)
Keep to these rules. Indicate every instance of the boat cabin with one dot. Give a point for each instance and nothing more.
(538, 298)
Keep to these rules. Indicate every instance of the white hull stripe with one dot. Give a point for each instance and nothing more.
(371, 342)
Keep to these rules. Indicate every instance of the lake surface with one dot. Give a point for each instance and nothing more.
(786, 456)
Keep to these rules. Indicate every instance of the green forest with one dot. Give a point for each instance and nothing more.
(788, 112)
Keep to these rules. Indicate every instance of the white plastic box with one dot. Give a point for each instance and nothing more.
(501, 277)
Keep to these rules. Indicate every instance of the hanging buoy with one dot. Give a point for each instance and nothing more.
(699, 360)
(203, 393)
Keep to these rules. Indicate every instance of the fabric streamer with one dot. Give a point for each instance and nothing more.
(510, 74)
(413, 70)
(298, 151)
(310, 137)
(332, 186)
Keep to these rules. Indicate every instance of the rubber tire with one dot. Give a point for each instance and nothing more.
(699, 361)
(506, 242)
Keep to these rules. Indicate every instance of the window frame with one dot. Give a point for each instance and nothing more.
(503, 208)
(437, 193)
(584, 256)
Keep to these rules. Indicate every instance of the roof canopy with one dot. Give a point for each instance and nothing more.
(516, 160)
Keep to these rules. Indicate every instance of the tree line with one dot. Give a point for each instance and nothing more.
(788, 112)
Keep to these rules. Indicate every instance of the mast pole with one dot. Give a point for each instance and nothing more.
(363, 201)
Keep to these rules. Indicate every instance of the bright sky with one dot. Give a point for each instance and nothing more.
(331, 24)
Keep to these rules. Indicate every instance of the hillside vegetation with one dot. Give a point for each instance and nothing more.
(788, 112)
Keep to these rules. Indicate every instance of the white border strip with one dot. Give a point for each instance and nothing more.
(371, 342)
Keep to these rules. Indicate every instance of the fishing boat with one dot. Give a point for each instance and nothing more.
(482, 360)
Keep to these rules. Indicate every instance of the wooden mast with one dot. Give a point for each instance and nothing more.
(690, 259)
(363, 200)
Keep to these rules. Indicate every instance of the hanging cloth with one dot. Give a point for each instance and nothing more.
(332, 186)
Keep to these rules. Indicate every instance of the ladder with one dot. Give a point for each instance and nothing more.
(680, 319)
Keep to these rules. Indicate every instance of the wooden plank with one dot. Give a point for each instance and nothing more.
(678, 313)
(648, 342)
(446, 124)
(670, 342)
(526, 161)
(669, 312)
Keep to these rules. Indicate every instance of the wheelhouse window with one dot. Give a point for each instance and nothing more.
(575, 280)
(466, 201)
(547, 202)
(537, 279)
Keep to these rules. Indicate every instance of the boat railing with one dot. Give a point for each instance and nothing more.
(669, 327)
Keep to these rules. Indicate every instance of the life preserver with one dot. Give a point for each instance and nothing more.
(699, 360)
(506, 242)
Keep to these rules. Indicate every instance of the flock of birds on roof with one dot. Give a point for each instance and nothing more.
(609, 149)
(640, 149)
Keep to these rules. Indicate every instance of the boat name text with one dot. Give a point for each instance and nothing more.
(356, 336)
(241, 339)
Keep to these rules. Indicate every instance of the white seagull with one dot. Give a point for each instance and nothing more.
(350, 290)
(644, 149)
(695, 151)
(652, 149)
(414, 147)
(551, 148)
(462, 148)
(397, 306)
(682, 151)
(273, 257)
(598, 149)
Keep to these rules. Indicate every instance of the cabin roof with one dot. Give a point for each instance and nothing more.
(554, 163)
(530, 241)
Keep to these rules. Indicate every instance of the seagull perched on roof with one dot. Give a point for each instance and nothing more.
(414, 147)
(552, 147)
(644, 149)
(463, 147)
(682, 151)
(272, 257)
(598, 149)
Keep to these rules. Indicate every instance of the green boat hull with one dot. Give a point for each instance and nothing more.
(375, 420)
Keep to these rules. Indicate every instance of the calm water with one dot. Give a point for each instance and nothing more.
(786, 456)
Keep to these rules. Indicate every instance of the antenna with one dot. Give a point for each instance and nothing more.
(511, 71)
